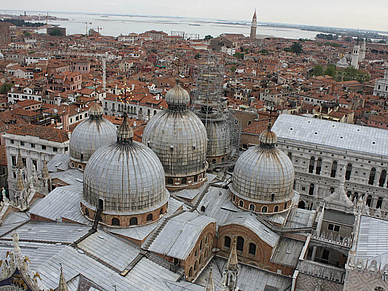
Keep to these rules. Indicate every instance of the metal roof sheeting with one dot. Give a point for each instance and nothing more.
(250, 221)
(331, 134)
(179, 235)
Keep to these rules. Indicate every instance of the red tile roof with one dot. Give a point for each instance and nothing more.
(43, 132)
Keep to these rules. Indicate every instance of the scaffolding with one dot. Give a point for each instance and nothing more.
(222, 129)
(185, 35)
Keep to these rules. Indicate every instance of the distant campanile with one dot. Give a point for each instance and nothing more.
(254, 25)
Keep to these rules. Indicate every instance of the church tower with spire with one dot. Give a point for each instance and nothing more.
(254, 26)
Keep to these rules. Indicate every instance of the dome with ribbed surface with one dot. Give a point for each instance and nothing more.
(264, 174)
(127, 176)
(218, 134)
(179, 139)
(177, 96)
(91, 134)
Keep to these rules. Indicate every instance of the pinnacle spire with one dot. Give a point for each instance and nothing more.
(19, 181)
(233, 260)
(19, 163)
(62, 282)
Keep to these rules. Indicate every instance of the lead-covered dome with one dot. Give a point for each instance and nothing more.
(126, 179)
(179, 139)
(90, 135)
(263, 177)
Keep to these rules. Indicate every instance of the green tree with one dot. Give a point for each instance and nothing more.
(264, 52)
(239, 55)
(331, 70)
(55, 32)
(207, 37)
(233, 68)
(297, 48)
(318, 70)
(197, 56)
(26, 33)
(350, 73)
(5, 88)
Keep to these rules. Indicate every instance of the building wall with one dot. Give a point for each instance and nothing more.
(199, 255)
(315, 186)
(263, 251)
(33, 150)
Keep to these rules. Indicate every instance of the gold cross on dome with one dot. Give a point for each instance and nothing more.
(125, 93)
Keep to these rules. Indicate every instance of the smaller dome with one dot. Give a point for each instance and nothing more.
(91, 134)
(177, 96)
(268, 137)
(96, 111)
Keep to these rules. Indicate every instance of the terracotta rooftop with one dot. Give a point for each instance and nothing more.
(43, 132)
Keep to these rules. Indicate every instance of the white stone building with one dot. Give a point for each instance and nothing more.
(36, 144)
(381, 86)
(323, 151)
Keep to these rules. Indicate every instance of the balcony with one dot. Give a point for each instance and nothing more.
(322, 271)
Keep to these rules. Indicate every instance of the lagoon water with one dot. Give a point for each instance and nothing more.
(123, 24)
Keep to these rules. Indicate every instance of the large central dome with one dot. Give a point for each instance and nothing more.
(179, 139)
(263, 177)
(125, 179)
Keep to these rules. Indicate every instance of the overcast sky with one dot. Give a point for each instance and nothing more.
(370, 14)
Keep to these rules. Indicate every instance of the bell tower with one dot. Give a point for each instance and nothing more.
(254, 26)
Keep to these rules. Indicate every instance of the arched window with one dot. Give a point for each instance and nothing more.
(227, 241)
(331, 190)
(383, 177)
(301, 205)
(203, 208)
(372, 176)
(333, 169)
(240, 243)
(206, 253)
(133, 221)
(348, 171)
(290, 155)
(115, 221)
(264, 209)
(312, 164)
(252, 207)
(369, 200)
(200, 260)
(184, 181)
(213, 161)
(195, 179)
(149, 217)
(349, 193)
(191, 272)
(161, 211)
(319, 166)
(252, 249)
(87, 212)
(196, 266)
(355, 196)
(170, 181)
(234, 197)
(241, 203)
(276, 209)
(379, 202)
(311, 190)
(272, 197)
